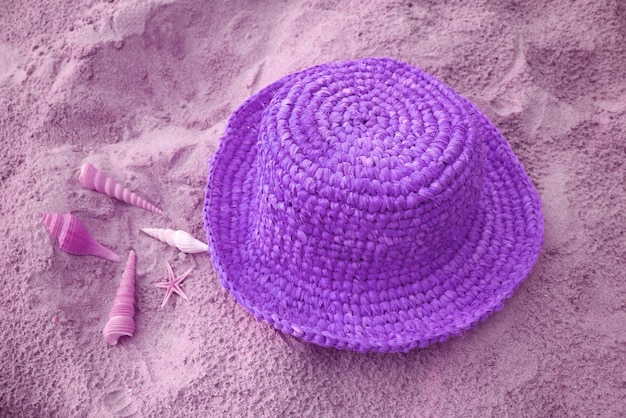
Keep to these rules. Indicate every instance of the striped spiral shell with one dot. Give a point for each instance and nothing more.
(95, 179)
(121, 317)
(73, 237)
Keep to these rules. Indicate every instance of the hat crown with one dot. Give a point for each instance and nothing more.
(365, 169)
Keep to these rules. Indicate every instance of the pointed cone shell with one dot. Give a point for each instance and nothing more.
(73, 237)
(179, 239)
(94, 179)
(122, 315)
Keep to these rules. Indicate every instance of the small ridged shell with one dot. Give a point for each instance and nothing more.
(95, 179)
(121, 317)
(178, 239)
(73, 237)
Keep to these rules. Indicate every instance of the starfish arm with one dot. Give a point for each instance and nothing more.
(179, 291)
(167, 296)
(170, 272)
(183, 277)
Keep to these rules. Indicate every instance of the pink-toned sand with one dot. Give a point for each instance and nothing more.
(143, 89)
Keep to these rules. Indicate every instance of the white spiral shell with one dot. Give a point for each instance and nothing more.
(178, 239)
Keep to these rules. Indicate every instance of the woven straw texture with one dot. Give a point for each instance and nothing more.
(365, 205)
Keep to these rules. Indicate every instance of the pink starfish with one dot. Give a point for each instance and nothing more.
(173, 284)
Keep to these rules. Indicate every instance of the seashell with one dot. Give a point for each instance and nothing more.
(121, 317)
(94, 179)
(179, 239)
(73, 237)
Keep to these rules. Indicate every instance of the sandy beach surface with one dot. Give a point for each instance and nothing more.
(143, 89)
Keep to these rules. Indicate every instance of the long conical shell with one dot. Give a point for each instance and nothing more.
(122, 316)
(94, 179)
(73, 237)
(179, 239)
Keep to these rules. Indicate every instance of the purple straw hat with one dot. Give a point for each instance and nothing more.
(365, 205)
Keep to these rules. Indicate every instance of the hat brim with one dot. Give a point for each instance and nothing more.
(482, 282)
